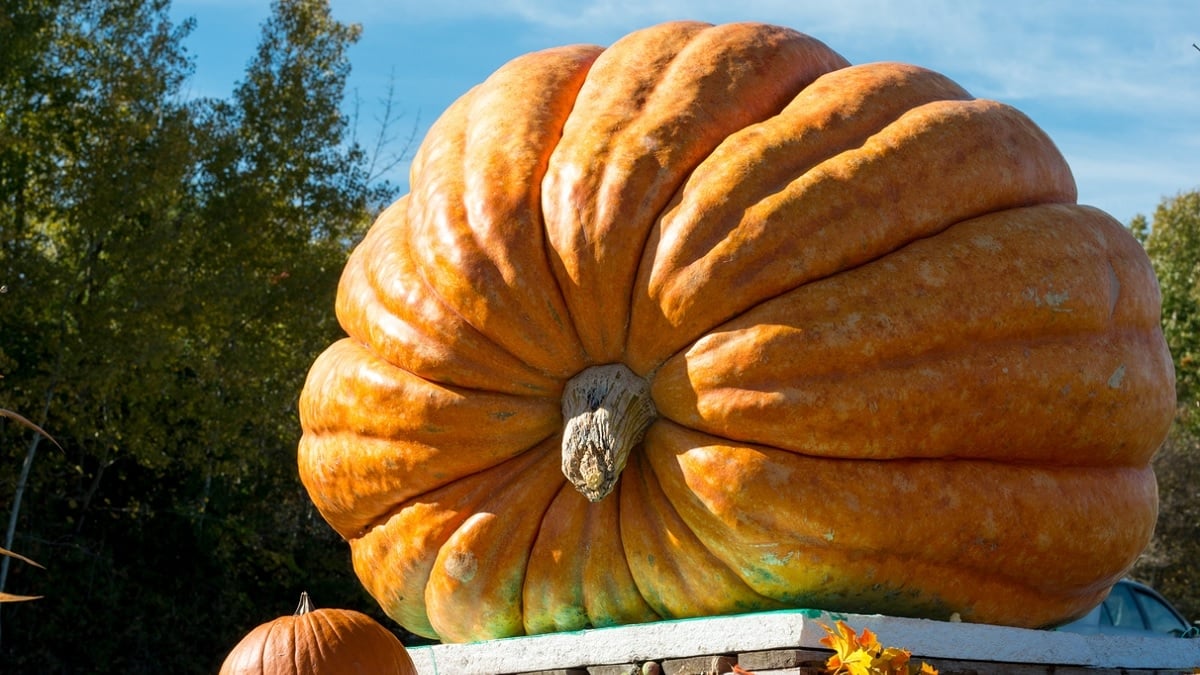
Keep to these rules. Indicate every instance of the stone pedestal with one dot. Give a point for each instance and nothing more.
(788, 643)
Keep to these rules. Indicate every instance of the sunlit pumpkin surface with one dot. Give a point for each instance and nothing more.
(894, 367)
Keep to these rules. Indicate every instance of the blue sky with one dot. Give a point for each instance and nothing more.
(1115, 84)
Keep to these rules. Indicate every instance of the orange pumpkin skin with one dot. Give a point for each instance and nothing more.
(317, 642)
(896, 368)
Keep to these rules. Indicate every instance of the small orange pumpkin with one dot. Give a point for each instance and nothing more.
(319, 641)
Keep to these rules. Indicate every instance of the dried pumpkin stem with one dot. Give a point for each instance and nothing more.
(306, 605)
(607, 409)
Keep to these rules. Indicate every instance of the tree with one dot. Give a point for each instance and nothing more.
(1172, 241)
(170, 272)
(94, 187)
(285, 195)
(90, 173)
(1173, 244)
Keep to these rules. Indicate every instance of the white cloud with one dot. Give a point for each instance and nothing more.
(1116, 84)
(1106, 50)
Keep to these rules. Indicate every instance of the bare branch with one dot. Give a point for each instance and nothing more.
(25, 422)
(18, 556)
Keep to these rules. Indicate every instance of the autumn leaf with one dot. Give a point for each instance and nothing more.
(869, 642)
(844, 642)
(853, 655)
(893, 660)
(856, 654)
(860, 662)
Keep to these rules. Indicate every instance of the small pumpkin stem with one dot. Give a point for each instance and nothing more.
(607, 409)
(306, 605)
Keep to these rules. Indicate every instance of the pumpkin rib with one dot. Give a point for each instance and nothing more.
(865, 413)
(388, 510)
(540, 589)
(675, 570)
(653, 106)
(906, 272)
(383, 303)
(836, 113)
(594, 601)
(414, 404)
(266, 642)
(769, 549)
(497, 550)
(394, 436)
(564, 592)
(401, 551)
(848, 325)
(656, 48)
(477, 207)
(859, 206)
(324, 627)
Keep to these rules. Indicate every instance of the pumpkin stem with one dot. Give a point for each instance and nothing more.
(607, 409)
(306, 605)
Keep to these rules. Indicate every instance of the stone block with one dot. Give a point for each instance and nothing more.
(699, 665)
(775, 659)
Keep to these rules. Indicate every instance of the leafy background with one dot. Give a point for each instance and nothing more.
(169, 272)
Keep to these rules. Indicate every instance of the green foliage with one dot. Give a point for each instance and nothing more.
(1174, 247)
(169, 272)
(1172, 240)
(1169, 563)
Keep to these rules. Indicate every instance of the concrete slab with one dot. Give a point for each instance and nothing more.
(800, 629)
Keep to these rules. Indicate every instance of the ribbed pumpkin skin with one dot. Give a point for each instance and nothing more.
(320, 642)
(897, 369)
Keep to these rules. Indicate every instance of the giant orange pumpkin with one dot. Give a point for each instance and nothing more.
(711, 321)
